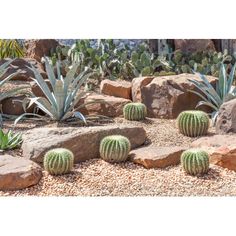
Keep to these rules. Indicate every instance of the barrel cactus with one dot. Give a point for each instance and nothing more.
(58, 161)
(115, 148)
(193, 123)
(195, 161)
(135, 111)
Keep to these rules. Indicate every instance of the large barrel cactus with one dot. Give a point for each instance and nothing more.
(195, 161)
(115, 148)
(135, 111)
(58, 161)
(193, 123)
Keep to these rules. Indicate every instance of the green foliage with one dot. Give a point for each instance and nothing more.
(193, 123)
(9, 140)
(135, 111)
(58, 161)
(10, 48)
(114, 148)
(195, 161)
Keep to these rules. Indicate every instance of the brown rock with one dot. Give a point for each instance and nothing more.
(18, 173)
(156, 157)
(226, 120)
(221, 148)
(193, 45)
(83, 141)
(37, 49)
(36, 89)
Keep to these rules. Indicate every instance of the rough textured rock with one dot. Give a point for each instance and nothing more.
(83, 141)
(221, 148)
(36, 89)
(137, 84)
(22, 64)
(226, 120)
(112, 108)
(167, 96)
(18, 173)
(38, 48)
(193, 45)
(157, 157)
(120, 88)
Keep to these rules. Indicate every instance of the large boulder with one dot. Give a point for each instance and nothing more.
(37, 49)
(194, 45)
(18, 173)
(119, 88)
(83, 141)
(167, 96)
(226, 120)
(221, 148)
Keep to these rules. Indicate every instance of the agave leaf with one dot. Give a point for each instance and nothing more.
(50, 73)
(79, 115)
(26, 114)
(222, 81)
(231, 78)
(9, 77)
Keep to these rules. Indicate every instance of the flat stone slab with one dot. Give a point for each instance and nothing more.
(18, 173)
(82, 141)
(156, 157)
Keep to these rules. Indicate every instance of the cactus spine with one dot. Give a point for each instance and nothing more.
(58, 161)
(135, 111)
(115, 148)
(195, 161)
(193, 123)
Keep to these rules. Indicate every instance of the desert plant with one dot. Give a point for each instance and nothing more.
(115, 148)
(58, 161)
(135, 111)
(10, 48)
(9, 140)
(193, 123)
(195, 161)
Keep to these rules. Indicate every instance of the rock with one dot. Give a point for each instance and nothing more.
(36, 89)
(120, 88)
(167, 96)
(18, 173)
(82, 141)
(112, 108)
(137, 84)
(22, 64)
(156, 157)
(221, 148)
(37, 49)
(226, 120)
(193, 45)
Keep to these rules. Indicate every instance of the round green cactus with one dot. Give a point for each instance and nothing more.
(58, 161)
(114, 148)
(135, 111)
(193, 123)
(195, 161)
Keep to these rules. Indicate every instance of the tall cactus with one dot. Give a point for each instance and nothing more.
(135, 111)
(195, 161)
(114, 148)
(58, 161)
(193, 123)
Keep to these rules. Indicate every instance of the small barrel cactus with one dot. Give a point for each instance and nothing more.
(115, 148)
(195, 161)
(135, 111)
(58, 161)
(193, 123)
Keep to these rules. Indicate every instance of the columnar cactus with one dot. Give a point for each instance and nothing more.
(193, 123)
(115, 148)
(58, 161)
(135, 111)
(195, 161)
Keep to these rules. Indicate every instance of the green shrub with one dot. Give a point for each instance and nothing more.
(11, 48)
(135, 111)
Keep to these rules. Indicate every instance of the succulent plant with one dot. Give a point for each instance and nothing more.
(135, 111)
(115, 148)
(9, 140)
(195, 161)
(58, 161)
(193, 123)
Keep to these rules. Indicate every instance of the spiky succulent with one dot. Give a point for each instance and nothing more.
(58, 161)
(115, 148)
(9, 140)
(195, 161)
(193, 123)
(135, 111)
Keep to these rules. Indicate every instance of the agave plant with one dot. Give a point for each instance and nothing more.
(9, 140)
(11, 48)
(212, 97)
